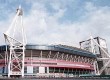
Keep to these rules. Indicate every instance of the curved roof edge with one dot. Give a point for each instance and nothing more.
(62, 48)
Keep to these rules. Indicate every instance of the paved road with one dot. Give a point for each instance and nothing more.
(90, 78)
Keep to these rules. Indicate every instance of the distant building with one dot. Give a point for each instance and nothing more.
(89, 46)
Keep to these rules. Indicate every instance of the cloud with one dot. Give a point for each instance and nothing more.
(43, 28)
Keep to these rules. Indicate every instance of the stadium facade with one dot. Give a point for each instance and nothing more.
(52, 60)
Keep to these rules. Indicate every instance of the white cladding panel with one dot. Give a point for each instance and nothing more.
(41, 69)
(103, 43)
(5, 69)
(29, 69)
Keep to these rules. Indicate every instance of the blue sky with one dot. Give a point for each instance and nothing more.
(59, 21)
(75, 9)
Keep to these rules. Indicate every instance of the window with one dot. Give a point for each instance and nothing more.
(35, 69)
(45, 69)
(25, 69)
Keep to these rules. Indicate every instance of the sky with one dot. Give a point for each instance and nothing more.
(64, 22)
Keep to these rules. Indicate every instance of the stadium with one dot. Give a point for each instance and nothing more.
(23, 60)
(53, 61)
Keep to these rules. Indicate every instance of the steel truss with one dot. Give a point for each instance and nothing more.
(16, 38)
(97, 71)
